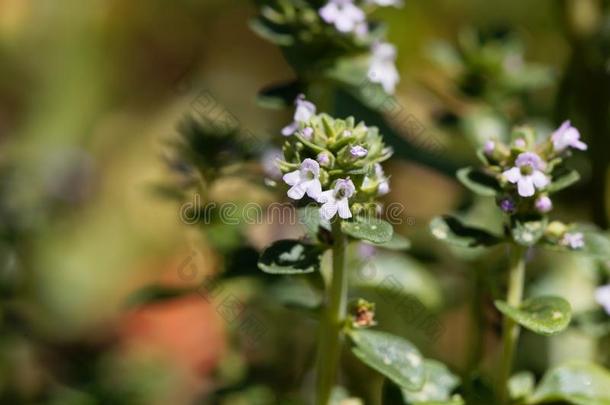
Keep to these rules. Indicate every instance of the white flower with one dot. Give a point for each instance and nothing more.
(345, 16)
(336, 200)
(566, 136)
(527, 174)
(382, 69)
(304, 180)
(573, 240)
(602, 296)
(384, 185)
(303, 113)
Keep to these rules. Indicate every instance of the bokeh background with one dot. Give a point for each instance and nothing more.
(91, 95)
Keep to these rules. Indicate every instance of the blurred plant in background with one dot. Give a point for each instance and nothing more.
(112, 294)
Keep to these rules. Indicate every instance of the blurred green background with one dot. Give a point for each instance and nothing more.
(91, 93)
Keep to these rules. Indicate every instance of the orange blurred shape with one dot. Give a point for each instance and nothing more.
(187, 331)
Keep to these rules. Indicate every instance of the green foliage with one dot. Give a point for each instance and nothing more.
(451, 230)
(479, 182)
(370, 229)
(392, 356)
(290, 257)
(438, 388)
(546, 315)
(575, 383)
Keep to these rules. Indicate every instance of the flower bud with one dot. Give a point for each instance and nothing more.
(556, 229)
(544, 204)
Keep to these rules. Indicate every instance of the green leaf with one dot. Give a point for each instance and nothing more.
(574, 383)
(398, 242)
(478, 181)
(290, 257)
(527, 232)
(547, 315)
(395, 279)
(392, 356)
(266, 31)
(370, 229)
(521, 385)
(296, 292)
(439, 385)
(453, 231)
(280, 95)
(564, 181)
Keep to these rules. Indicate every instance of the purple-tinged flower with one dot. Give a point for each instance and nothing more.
(358, 151)
(336, 200)
(345, 16)
(507, 205)
(489, 147)
(520, 143)
(602, 296)
(307, 133)
(544, 204)
(573, 240)
(382, 69)
(304, 180)
(566, 136)
(527, 174)
(270, 165)
(303, 113)
(323, 158)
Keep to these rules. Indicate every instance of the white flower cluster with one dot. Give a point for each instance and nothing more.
(348, 17)
(352, 147)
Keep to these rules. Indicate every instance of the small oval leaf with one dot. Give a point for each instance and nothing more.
(398, 242)
(439, 385)
(290, 257)
(392, 356)
(564, 181)
(545, 315)
(574, 383)
(371, 229)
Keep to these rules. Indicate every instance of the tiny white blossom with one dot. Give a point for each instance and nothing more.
(303, 113)
(384, 185)
(304, 180)
(270, 163)
(602, 296)
(527, 174)
(566, 136)
(345, 16)
(382, 69)
(573, 240)
(336, 200)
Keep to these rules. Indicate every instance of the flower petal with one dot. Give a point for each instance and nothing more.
(512, 175)
(314, 189)
(292, 178)
(343, 208)
(297, 192)
(540, 179)
(328, 210)
(525, 186)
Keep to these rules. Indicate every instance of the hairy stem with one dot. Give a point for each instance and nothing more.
(329, 337)
(510, 330)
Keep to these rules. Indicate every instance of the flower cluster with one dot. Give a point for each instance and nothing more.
(331, 32)
(334, 162)
(526, 172)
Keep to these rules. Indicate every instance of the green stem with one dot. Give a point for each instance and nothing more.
(329, 337)
(510, 330)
